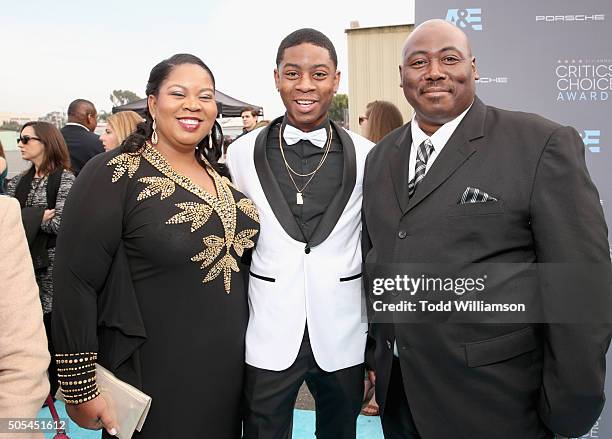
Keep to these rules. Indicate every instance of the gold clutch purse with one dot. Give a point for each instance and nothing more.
(128, 405)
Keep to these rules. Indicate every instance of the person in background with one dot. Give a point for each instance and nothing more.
(249, 119)
(167, 231)
(3, 168)
(118, 127)
(42, 191)
(261, 124)
(381, 117)
(227, 141)
(82, 143)
(24, 357)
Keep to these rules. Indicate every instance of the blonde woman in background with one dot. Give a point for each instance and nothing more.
(381, 117)
(118, 127)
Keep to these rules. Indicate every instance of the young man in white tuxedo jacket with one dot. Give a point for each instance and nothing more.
(304, 174)
(470, 184)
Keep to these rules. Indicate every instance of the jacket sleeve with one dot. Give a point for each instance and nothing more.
(24, 357)
(66, 183)
(366, 246)
(569, 229)
(91, 229)
(11, 185)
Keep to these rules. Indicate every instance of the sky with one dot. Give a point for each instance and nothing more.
(57, 51)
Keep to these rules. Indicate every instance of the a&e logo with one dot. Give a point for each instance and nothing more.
(591, 140)
(465, 18)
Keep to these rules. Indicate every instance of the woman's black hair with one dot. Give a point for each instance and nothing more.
(209, 148)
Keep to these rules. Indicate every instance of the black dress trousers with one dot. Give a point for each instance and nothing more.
(270, 398)
(397, 422)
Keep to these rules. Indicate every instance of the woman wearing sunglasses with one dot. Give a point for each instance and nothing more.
(42, 191)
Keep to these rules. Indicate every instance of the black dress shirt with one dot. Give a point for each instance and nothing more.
(304, 157)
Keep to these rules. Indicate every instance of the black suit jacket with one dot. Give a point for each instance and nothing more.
(481, 381)
(82, 144)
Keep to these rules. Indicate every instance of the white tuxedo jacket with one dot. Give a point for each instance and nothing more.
(292, 282)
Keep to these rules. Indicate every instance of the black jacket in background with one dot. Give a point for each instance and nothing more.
(82, 144)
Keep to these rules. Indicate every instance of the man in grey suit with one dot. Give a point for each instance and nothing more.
(466, 183)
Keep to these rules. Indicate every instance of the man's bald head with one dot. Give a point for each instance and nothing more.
(83, 112)
(438, 25)
(438, 73)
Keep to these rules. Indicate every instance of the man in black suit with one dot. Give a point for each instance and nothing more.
(82, 143)
(466, 183)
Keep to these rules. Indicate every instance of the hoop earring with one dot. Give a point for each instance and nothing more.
(154, 138)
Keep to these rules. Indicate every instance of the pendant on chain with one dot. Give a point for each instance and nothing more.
(298, 197)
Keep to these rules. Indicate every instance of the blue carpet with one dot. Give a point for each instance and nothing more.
(368, 427)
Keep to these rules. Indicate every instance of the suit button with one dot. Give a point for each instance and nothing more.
(307, 250)
(402, 234)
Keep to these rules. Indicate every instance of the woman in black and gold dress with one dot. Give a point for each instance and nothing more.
(147, 278)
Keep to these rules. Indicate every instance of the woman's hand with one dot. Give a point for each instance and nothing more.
(48, 215)
(93, 415)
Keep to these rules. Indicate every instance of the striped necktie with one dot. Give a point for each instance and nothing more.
(423, 154)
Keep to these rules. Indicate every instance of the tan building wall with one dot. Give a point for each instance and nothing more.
(374, 54)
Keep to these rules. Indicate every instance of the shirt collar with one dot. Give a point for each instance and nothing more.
(77, 124)
(325, 124)
(441, 136)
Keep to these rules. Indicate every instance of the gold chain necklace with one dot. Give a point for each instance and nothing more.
(299, 199)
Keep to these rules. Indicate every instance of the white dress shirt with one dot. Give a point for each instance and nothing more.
(438, 140)
(77, 125)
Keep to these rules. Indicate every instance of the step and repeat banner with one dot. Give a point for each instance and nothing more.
(553, 58)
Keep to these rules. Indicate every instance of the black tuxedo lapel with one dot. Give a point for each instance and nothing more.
(270, 186)
(456, 151)
(338, 203)
(399, 157)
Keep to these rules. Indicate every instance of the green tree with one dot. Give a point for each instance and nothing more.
(103, 115)
(122, 97)
(338, 107)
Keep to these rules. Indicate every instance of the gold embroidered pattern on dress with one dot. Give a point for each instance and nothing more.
(197, 213)
(156, 185)
(247, 206)
(243, 241)
(225, 207)
(124, 162)
(214, 245)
